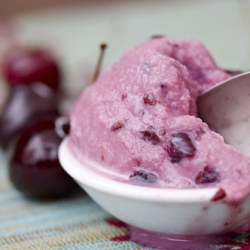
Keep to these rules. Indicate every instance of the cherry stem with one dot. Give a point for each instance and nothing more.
(103, 47)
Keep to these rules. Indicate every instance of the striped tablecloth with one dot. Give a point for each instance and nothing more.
(73, 223)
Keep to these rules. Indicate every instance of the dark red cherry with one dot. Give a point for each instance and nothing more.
(26, 66)
(25, 103)
(34, 168)
(180, 146)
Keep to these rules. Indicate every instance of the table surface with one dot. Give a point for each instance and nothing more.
(75, 33)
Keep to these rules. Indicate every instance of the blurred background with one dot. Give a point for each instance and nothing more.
(75, 28)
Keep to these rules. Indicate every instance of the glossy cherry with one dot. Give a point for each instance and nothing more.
(25, 103)
(27, 66)
(34, 168)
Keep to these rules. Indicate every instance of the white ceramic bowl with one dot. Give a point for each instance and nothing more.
(169, 211)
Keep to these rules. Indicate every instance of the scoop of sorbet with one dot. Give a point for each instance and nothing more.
(139, 122)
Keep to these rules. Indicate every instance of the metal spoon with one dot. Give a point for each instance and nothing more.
(226, 109)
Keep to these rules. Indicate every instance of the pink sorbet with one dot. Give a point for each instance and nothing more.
(139, 122)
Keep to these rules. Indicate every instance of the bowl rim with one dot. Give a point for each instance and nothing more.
(92, 179)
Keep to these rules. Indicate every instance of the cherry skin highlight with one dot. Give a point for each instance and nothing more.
(27, 66)
(34, 168)
(180, 146)
(25, 103)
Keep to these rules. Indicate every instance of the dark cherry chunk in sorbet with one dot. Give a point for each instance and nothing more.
(220, 194)
(150, 135)
(144, 176)
(207, 176)
(180, 146)
(149, 99)
(117, 126)
(124, 96)
(164, 89)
